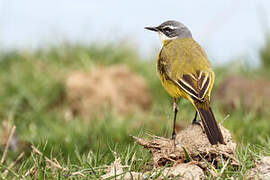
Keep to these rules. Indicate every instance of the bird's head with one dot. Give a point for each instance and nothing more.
(170, 30)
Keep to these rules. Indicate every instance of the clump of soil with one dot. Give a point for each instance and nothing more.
(236, 91)
(186, 171)
(191, 147)
(116, 171)
(113, 88)
(261, 170)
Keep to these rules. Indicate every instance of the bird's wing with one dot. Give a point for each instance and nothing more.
(196, 85)
(188, 68)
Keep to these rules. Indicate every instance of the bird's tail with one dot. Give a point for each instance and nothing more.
(210, 125)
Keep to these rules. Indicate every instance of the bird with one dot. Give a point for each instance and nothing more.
(185, 72)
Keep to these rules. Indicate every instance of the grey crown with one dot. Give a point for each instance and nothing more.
(174, 29)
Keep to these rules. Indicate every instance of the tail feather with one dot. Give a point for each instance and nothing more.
(210, 125)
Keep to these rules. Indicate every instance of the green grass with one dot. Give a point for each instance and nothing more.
(32, 98)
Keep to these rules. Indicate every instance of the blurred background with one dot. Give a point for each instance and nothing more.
(226, 28)
(79, 76)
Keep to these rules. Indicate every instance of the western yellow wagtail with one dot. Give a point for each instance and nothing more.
(185, 72)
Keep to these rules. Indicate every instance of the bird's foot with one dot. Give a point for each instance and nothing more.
(173, 139)
(198, 122)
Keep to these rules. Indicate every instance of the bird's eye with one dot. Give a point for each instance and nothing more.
(167, 29)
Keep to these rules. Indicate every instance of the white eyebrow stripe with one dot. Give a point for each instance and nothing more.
(169, 26)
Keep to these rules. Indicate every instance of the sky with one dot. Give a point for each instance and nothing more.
(227, 29)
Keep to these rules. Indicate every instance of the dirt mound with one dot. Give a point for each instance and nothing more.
(113, 88)
(236, 91)
(192, 149)
(192, 141)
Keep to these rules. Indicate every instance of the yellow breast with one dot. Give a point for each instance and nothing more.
(172, 88)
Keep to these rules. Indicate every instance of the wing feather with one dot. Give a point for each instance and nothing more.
(196, 85)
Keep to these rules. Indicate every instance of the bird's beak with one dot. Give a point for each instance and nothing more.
(151, 28)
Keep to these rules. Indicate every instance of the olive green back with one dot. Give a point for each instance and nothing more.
(183, 56)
